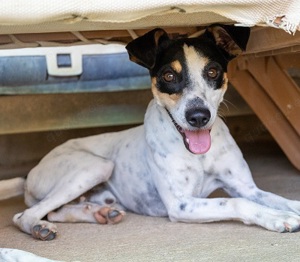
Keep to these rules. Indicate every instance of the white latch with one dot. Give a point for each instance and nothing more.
(54, 69)
(76, 53)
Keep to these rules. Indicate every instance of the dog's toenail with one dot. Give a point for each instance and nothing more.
(113, 214)
(51, 236)
(36, 228)
(44, 233)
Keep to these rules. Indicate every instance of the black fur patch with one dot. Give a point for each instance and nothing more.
(165, 57)
(219, 80)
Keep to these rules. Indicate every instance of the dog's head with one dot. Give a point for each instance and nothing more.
(189, 76)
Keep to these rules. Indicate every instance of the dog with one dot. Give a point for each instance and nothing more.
(169, 165)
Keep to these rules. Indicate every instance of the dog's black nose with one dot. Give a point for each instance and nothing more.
(198, 117)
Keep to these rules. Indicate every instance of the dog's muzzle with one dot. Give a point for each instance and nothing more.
(196, 141)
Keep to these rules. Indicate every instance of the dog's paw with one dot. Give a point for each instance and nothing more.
(108, 215)
(284, 222)
(290, 225)
(44, 231)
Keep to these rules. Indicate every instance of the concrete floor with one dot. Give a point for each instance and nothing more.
(140, 238)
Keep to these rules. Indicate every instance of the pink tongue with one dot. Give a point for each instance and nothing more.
(198, 141)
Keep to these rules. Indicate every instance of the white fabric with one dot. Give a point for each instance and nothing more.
(16, 255)
(114, 14)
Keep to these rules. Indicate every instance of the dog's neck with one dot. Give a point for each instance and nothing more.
(163, 132)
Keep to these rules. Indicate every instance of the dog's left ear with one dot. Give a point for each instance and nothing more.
(143, 50)
(231, 39)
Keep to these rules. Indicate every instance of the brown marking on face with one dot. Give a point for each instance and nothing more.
(134, 59)
(225, 82)
(176, 65)
(164, 99)
(157, 36)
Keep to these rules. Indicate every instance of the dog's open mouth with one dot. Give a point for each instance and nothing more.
(197, 142)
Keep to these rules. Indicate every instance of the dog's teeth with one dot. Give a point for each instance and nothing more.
(187, 140)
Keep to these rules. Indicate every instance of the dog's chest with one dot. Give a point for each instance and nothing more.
(131, 181)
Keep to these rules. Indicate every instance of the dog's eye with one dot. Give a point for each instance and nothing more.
(169, 77)
(212, 73)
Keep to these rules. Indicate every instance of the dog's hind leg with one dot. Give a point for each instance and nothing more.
(87, 212)
(87, 171)
(97, 206)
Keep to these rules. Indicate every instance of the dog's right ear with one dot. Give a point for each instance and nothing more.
(232, 40)
(143, 50)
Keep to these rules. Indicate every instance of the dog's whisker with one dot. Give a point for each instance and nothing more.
(222, 116)
(226, 102)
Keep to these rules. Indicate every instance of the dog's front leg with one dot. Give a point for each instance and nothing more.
(182, 205)
(234, 176)
(190, 209)
(240, 184)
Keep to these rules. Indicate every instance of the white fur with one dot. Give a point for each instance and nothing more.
(13, 255)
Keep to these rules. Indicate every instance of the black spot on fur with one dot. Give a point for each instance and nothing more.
(109, 201)
(258, 215)
(259, 195)
(223, 203)
(182, 206)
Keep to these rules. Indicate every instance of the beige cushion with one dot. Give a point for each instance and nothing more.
(33, 16)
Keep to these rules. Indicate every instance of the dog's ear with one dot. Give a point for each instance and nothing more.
(143, 50)
(231, 39)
